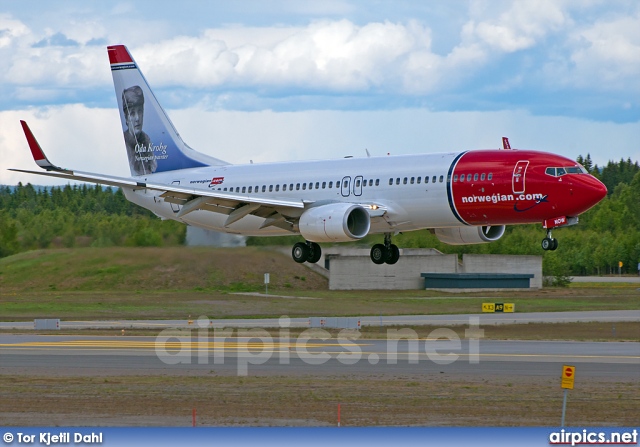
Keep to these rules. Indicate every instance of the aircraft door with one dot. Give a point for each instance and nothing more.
(519, 173)
(345, 186)
(174, 206)
(357, 185)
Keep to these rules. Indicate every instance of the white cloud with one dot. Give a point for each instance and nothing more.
(608, 53)
(11, 30)
(520, 27)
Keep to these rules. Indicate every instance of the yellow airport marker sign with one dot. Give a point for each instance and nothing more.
(568, 376)
(498, 307)
(488, 307)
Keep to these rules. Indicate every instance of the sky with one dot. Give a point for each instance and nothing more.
(277, 80)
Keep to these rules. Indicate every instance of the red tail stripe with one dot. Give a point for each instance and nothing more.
(36, 151)
(118, 54)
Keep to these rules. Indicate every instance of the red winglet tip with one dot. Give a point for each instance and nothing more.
(118, 54)
(36, 150)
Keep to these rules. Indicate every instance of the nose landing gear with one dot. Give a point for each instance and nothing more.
(549, 243)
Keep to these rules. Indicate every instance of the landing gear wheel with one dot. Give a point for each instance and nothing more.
(315, 252)
(549, 243)
(379, 254)
(300, 252)
(393, 254)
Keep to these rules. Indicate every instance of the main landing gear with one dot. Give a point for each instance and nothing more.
(311, 252)
(385, 253)
(306, 252)
(549, 243)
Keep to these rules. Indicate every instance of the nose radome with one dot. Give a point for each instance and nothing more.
(593, 191)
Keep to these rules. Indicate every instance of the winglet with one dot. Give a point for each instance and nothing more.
(37, 152)
(505, 144)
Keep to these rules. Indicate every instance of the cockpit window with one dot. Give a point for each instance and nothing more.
(559, 172)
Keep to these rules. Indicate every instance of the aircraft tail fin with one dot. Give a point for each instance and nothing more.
(153, 143)
(505, 144)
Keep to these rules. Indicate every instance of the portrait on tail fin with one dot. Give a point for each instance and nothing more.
(142, 159)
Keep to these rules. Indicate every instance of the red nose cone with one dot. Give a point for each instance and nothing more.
(590, 191)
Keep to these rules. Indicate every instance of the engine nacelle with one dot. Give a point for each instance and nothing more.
(470, 235)
(335, 222)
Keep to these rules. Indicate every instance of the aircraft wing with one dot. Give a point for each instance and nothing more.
(236, 206)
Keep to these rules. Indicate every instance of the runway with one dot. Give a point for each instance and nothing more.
(372, 320)
(265, 355)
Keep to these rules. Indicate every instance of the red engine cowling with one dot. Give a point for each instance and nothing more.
(470, 235)
(335, 222)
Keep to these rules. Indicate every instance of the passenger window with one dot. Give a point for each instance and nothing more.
(330, 185)
(390, 181)
(250, 188)
(284, 187)
(418, 180)
(244, 189)
(371, 182)
(317, 185)
(426, 179)
(441, 178)
(398, 181)
(277, 188)
(482, 177)
(297, 186)
(378, 182)
(264, 188)
(490, 176)
(324, 185)
(357, 183)
(455, 178)
(237, 189)
(433, 179)
(475, 177)
(304, 186)
(338, 184)
(404, 182)
(310, 186)
(413, 179)
(270, 188)
(468, 177)
(291, 187)
(225, 189)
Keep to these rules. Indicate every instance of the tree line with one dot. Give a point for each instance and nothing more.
(81, 215)
(78, 215)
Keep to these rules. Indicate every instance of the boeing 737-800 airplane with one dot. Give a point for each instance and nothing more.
(464, 197)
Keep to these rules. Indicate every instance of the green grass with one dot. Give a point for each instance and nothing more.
(173, 283)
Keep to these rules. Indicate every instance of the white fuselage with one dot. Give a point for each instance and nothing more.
(410, 204)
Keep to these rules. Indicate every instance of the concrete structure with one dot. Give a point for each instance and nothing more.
(352, 269)
(201, 237)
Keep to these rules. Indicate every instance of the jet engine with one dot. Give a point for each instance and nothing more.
(335, 222)
(470, 235)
